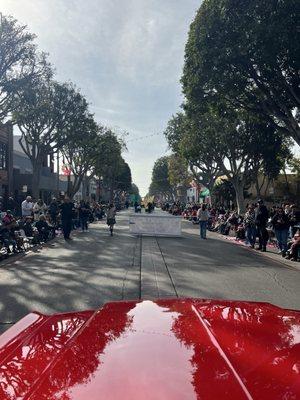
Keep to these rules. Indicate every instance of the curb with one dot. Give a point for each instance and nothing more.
(271, 256)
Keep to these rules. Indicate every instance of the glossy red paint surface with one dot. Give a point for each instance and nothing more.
(159, 350)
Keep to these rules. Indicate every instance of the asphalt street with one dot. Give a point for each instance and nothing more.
(95, 268)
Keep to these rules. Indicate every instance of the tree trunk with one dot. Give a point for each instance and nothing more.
(84, 188)
(111, 191)
(239, 195)
(210, 187)
(75, 185)
(257, 188)
(69, 186)
(267, 187)
(36, 170)
(286, 181)
(99, 190)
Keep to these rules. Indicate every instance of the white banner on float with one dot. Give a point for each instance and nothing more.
(155, 225)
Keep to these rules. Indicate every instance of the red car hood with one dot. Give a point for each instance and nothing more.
(159, 350)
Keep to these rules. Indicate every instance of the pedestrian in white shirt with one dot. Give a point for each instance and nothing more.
(203, 216)
(27, 207)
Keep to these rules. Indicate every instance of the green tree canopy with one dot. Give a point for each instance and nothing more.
(184, 137)
(110, 165)
(20, 63)
(160, 182)
(232, 143)
(247, 53)
(179, 175)
(123, 178)
(82, 143)
(134, 189)
(46, 111)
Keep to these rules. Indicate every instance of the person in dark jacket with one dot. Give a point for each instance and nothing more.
(84, 211)
(8, 239)
(12, 205)
(44, 229)
(250, 227)
(28, 227)
(281, 225)
(261, 219)
(66, 211)
(53, 211)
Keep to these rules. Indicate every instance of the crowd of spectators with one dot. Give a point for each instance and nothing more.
(34, 222)
(277, 225)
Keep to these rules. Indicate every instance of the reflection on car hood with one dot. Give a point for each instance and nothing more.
(160, 350)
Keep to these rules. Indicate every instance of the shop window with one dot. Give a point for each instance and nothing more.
(3, 156)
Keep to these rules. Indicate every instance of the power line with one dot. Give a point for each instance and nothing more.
(143, 137)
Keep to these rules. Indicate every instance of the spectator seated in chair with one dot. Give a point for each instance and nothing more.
(7, 237)
(16, 235)
(194, 217)
(294, 247)
(233, 220)
(240, 232)
(8, 218)
(45, 231)
(30, 231)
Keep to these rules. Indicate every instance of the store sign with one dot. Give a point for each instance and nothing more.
(66, 170)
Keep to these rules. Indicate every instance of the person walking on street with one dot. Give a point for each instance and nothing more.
(111, 217)
(27, 207)
(203, 216)
(281, 225)
(83, 211)
(261, 219)
(66, 210)
(249, 222)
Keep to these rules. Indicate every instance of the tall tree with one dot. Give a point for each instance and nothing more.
(109, 162)
(179, 175)
(184, 137)
(160, 183)
(20, 63)
(247, 53)
(134, 189)
(232, 143)
(243, 145)
(45, 110)
(124, 178)
(135, 193)
(82, 143)
(120, 183)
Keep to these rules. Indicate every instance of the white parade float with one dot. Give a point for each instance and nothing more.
(155, 224)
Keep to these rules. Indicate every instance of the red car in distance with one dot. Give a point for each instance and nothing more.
(181, 349)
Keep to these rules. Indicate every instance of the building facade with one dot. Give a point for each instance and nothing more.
(22, 175)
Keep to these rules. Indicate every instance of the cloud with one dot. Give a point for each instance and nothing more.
(126, 56)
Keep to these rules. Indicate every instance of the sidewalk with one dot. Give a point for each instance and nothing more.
(272, 251)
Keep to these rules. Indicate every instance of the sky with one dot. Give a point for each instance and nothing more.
(126, 56)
